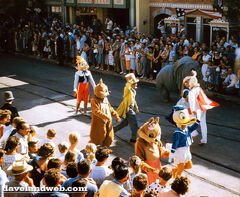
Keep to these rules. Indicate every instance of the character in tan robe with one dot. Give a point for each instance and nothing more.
(149, 149)
(101, 126)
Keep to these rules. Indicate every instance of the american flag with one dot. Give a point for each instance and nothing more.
(180, 12)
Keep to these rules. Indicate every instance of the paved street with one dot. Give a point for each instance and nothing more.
(44, 98)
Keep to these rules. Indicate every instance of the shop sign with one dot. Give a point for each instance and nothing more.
(70, 2)
(103, 3)
(95, 3)
(121, 3)
(85, 1)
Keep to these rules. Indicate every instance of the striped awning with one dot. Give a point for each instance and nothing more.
(210, 13)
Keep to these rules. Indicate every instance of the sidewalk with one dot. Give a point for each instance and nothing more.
(233, 99)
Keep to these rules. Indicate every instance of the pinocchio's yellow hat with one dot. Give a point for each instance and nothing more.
(81, 64)
(80, 60)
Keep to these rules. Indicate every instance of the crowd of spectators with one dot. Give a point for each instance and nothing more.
(113, 48)
(30, 166)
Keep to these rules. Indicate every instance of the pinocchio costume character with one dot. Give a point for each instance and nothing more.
(149, 149)
(127, 106)
(101, 126)
(82, 77)
(182, 139)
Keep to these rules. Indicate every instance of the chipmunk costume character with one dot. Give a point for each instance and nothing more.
(199, 103)
(149, 148)
(101, 125)
(182, 139)
(81, 89)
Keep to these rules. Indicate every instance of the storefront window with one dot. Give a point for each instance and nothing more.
(56, 9)
(191, 20)
(206, 20)
(219, 31)
(85, 15)
(191, 27)
(86, 11)
(219, 27)
(206, 31)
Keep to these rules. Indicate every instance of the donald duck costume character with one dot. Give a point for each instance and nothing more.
(81, 89)
(182, 139)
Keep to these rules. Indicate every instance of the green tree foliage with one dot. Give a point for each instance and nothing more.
(229, 8)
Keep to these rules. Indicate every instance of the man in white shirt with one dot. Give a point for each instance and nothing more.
(109, 24)
(230, 82)
(161, 27)
(182, 30)
(185, 40)
(173, 30)
(100, 171)
(137, 46)
(22, 132)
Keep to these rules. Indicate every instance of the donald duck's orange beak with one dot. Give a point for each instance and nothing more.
(189, 121)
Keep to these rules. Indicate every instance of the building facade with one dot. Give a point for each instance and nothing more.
(75, 11)
(199, 13)
(144, 14)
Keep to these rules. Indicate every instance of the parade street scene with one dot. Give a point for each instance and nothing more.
(136, 98)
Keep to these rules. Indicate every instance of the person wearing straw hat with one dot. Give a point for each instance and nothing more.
(19, 169)
(8, 99)
(81, 89)
(127, 106)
